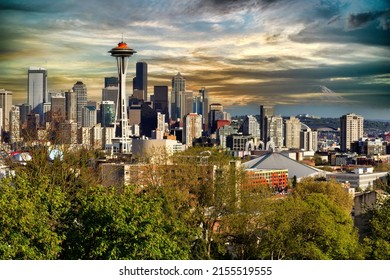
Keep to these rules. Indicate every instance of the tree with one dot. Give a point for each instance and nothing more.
(378, 237)
(106, 224)
(313, 223)
(30, 209)
(333, 190)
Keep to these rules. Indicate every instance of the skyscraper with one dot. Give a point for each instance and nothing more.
(37, 90)
(215, 113)
(275, 130)
(58, 107)
(81, 94)
(6, 105)
(178, 86)
(351, 129)
(204, 102)
(140, 80)
(186, 103)
(71, 105)
(251, 126)
(111, 94)
(122, 53)
(265, 112)
(88, 116)
(161, 100)
(192, 128)
(110, 82)
(292, 130)
(14, 118)
(107, 111)
(308, 138)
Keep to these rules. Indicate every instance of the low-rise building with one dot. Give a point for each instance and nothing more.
(258, 178)
(363, 178)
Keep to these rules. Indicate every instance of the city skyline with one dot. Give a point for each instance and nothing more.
(283, 53)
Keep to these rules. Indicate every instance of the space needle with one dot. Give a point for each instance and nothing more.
(122, 53)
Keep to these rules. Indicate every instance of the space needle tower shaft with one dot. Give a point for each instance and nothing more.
(122, 53)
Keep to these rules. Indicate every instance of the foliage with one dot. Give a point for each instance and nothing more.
(378, 238)
(192, 206)
(29, 213)
(382, 167)
(107, 224)
(331, 189)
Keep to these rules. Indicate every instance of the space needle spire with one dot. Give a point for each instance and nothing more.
(122, 53)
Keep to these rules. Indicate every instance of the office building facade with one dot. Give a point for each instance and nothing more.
(351, 129)
(81, 94)
(266, 111)
(6, 105)
(37, 90)
(140, 81)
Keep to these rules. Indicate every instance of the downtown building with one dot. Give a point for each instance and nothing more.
(37, 91)
(81, 95)
(192, 128)
(351, 130)
(266, 111)
(251, 126)
(140, 81)
(6, 107)
(292, 133)
(178, 87)
(275, 132)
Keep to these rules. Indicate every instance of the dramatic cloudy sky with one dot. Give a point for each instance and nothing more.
(304, 56)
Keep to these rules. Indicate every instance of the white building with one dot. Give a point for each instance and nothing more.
(251, 126)
(292, 129)
(6, 105)
(308, 139)
(142, 148)
(192, 128)
(360, 178)
(275, 130)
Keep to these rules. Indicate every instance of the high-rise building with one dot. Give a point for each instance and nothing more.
(275, 130)
(110, 82)
(160, 129)
(308, 138)
(6, 105)
(351, 129)
(202, 107)
(186, 103)
(107, 111)
(68, 132)
(88, 116)
(24, 110)
(58, 107)
(266, 111)
(192, 128)
(140, 81)
(292, 130)
(223, 132)
(161, 100)
(135, 114)
(251, 126)
(110, 93)
(178, 86)
(215, 113)
(14, 117)
(71, 105)
(122, 53)
(37, 90)
(81, 92)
